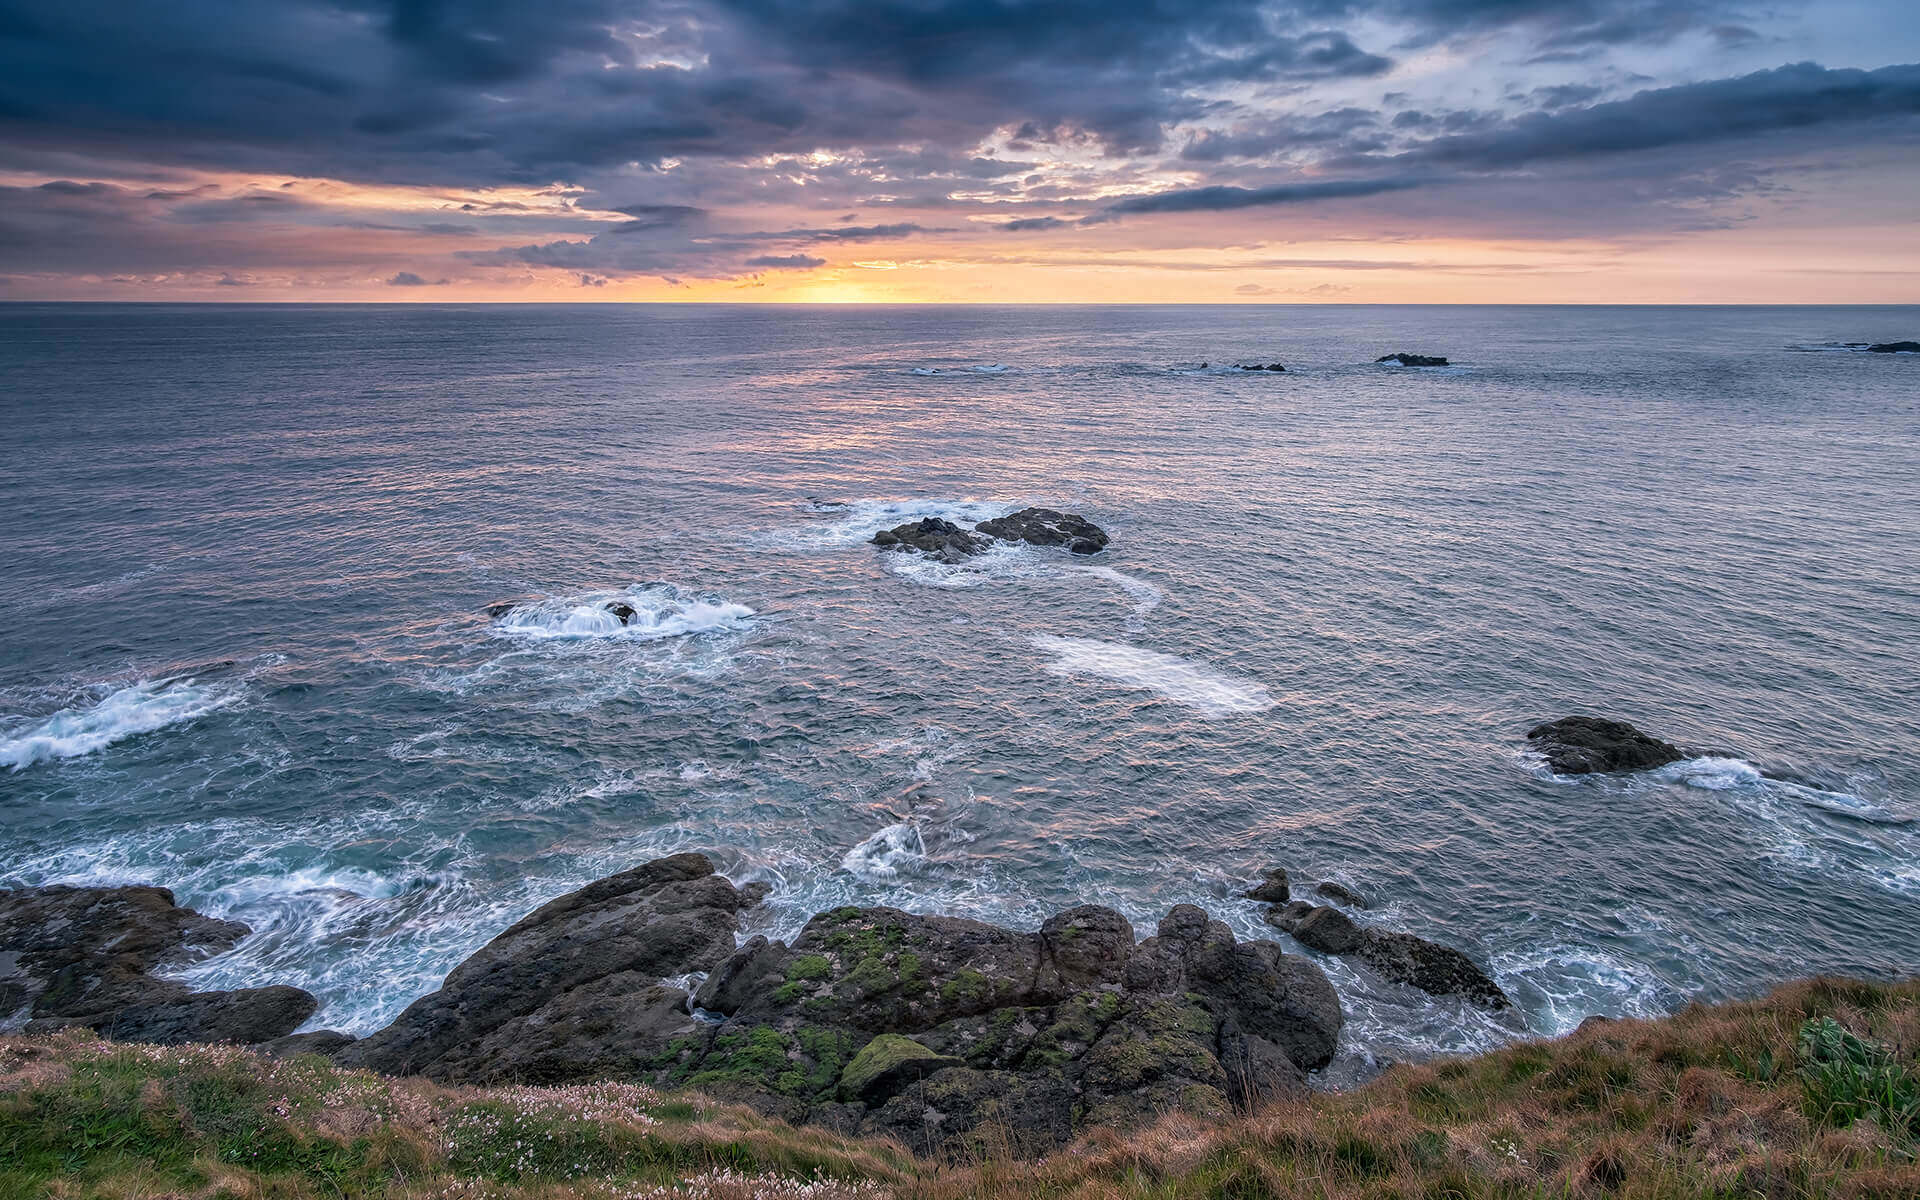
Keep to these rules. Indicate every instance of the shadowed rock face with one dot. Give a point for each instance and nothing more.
(571, 991)
(1413, 360)
(1435, 969)
(84, 956)
(1590, 745)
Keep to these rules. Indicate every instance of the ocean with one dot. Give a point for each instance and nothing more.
(248, 552)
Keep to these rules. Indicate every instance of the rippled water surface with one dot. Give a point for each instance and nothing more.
(247, 551)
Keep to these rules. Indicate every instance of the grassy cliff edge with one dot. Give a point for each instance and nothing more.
(1811, 1091)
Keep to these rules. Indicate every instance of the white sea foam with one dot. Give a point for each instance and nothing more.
(138, 708)
(1145, 596)
(1562, 985)
(659, 611)
(1713, 774)
(1206, 691)
(882, 857)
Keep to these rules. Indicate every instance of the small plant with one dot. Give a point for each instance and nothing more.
(1847, 1078)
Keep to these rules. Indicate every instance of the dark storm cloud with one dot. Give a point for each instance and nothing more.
(1556, 23)
(785, 262)
(1796, 97)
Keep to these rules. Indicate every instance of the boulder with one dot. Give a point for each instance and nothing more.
(1401, 957)
(1340, 893)
(888, 1063)
(1413, 360)
(1590, 745)
(621, 610)
(1894, 348)
(1257, 367)
(324, 1042)
(1273, 887)
(85, 956)
(933, 536)
(1045, 527)
(669, 917)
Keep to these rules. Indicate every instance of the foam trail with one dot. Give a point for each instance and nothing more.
(659, 611)
(1145, 596)
(139, 708)
(898, 847)
(1202, 689)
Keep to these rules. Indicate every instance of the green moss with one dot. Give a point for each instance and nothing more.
(756, 1057)
(909, 967)
(879, 1056)
(872, 975)
(787, 993)
(968, 988)
(809, 967)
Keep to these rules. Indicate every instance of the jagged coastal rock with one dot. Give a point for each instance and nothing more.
(949, 543)
(1401, 957)
(85, 956)
(934, 536)
(1592, 745)
(1281, 367)
(1413, 360)
(949, 1034)
(1045, 527)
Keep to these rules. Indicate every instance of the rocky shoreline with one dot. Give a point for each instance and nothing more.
(873, 1021)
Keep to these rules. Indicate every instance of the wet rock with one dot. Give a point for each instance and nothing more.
(1258, 367)
(81, 955)
(1045, 527)
(933, 536)
(500, 608)
(1401, 957)
(1894, 348)
(1413, 360)
(1589, 745)
(669, 917)
(324, 1042)
(1273, 887)
(621, 610)
(1339, 893)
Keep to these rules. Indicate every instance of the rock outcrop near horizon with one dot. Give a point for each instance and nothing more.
(942, 539)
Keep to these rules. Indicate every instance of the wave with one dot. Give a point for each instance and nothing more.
(1200, 688)
(652, 612)
(139, 708)
(1145, 596)
(979, 369)
(1561, 985)
(882, 857)
(1720, 774)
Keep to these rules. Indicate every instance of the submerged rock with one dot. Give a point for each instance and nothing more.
(1401, 957)
(1340, 893)
(1413, 360)
(1590, 745)
(1894, 348)
(931, 535)
(1045, 527)
(85, 956)
(621, 610)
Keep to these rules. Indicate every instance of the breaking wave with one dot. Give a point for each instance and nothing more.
(658, 610)
(1200, 688)
(139, 708)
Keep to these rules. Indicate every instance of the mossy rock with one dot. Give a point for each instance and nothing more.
(888, 1063)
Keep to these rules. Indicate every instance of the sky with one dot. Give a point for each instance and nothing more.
(1205, 151)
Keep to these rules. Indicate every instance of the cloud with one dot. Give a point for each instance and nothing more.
(786, 262)
(1794, 97)
(1224, 198)
(409, 279)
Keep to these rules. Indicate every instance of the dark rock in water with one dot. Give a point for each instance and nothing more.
(1257, 367)
(1413, 360)
(515, 998)
(324, 1042)
(942, 539)
(1587, 745)
(1340, 893)
(500, 608)
(1273, 887)
(84, 956)
(1435, 969)
(1045, 527)
(621, 609)
(1894, 348)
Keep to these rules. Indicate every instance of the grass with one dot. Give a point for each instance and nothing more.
(1811, 1092)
